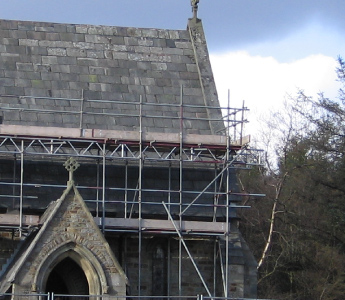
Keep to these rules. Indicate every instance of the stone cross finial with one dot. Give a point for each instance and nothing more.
(71, 165)
(195, 8)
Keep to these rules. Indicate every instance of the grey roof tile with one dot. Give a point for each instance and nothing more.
(103, 63)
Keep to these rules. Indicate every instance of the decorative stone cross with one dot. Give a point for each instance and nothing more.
(195, 8)
(71, 165)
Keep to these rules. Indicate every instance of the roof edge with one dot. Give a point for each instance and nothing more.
(117, 135)
(207, 82)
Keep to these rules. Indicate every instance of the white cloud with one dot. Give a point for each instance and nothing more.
(264, 83)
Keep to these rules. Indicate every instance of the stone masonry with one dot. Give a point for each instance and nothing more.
(67, 227)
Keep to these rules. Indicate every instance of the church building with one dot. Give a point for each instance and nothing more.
(117, 165)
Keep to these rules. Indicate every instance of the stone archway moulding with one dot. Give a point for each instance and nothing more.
(83, 257)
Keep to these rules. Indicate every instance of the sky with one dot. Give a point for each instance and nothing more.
(262, 51)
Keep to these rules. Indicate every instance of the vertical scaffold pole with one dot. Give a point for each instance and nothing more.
(81, 114)
(187, 251)
(140, 192)
(180, 192)
(97, 190)
(169, 266)
(242, 122)
(103, 189)
(14, 180)
(222, 266)
(215, 196)
(21, 188)
(227, 201)
(214, 266)
(169, 186)
(126, 188)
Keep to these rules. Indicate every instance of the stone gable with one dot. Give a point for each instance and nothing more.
(68, 231)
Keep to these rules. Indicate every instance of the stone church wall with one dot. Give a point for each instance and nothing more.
(202, 251)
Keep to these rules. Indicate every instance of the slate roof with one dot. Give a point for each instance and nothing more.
(85, 76)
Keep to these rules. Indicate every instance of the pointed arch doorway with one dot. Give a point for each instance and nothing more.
(71, 270)
(67, 278)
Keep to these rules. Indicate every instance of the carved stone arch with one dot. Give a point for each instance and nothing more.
(85, 259)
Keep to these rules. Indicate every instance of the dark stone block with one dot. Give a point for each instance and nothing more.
(94, 54)
(29, 116)
(131, 41)
(35, 35)
(154, 90)
(79, 69)
(110, 79)
(7, 82)
(70, 94)
(160, 43)
(52, 36)
(72, 37)
(78, 85)
(14, 90)
(107, 63)
(11, 115)
(18, 34)
(163, 82)
(32, 75)
(168, 74)
(26, 26)
(44, 27)
(8, 66)
(170, 43)
(60, 28)
(10, 41)
(120, 88)
(36, 92)
(92, 95)
(126, 64)
(12, 49)
(76, 52)
(184, 35)
(70, 118)
(42, 68)
(174, 91)
(149, 33)
(50, 76)
(71, 28)
(136, 89)
(4, 33)
(69, 77)
(31, 50)
(67, 60)
(87, 61)
(60, 68)
(24, 66)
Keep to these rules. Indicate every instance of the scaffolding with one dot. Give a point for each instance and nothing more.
(175, 152)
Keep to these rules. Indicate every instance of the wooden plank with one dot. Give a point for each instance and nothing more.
(163, 225)
(14, 220)
(129, 224)
(59, 132)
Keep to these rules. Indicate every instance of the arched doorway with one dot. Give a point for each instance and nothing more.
(67, 278)
(71, 269)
